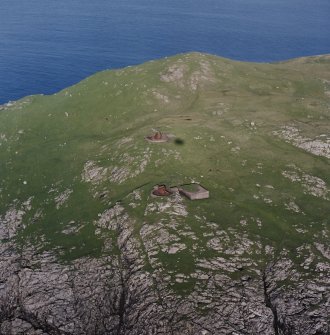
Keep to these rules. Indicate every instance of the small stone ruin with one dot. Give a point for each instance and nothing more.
(191, 191)
(161, 191)
(157, 137)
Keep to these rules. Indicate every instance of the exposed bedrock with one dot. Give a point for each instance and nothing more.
(117, 295)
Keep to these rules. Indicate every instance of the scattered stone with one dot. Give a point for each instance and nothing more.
(318, 146)
(62, 198)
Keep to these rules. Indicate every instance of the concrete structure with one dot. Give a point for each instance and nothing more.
(198, 194)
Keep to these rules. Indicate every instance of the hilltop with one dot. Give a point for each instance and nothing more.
(86, 249)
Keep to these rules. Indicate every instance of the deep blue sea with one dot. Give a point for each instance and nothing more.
(46, 45)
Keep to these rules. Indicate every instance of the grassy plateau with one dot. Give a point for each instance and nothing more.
(257, 136)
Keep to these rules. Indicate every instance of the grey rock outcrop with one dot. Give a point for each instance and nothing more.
(117, 294)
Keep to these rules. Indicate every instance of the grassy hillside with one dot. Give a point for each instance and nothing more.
(255, 135)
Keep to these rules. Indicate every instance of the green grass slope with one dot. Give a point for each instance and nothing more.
(255, 135)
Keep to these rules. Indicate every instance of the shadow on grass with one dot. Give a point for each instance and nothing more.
(179, 141)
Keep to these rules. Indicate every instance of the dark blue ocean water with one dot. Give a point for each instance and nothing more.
(46, 45)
